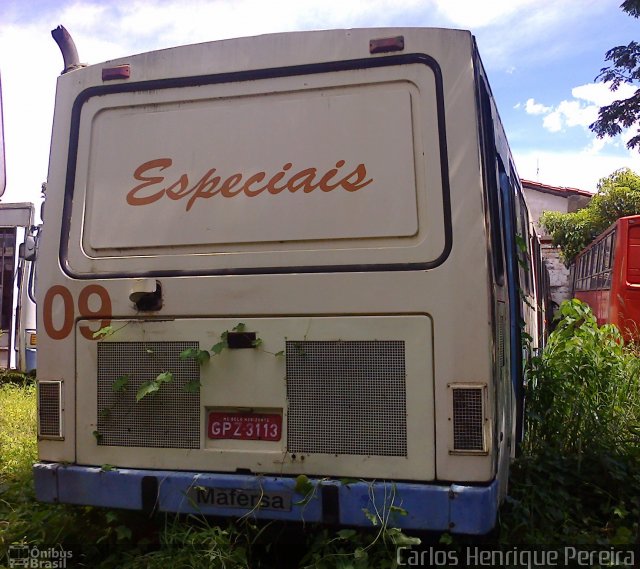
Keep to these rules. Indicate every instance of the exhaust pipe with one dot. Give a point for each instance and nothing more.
(68, 49)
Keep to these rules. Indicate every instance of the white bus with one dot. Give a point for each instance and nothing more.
(17, 279)
(278, 275)
(17, 301)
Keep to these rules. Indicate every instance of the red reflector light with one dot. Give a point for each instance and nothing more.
(119, 72)
(384, 45)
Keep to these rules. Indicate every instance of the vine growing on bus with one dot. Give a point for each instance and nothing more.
(203, 356)
(152, 387)
(357, 549)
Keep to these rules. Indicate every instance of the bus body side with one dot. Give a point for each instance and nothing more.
(607, 276)
(326, 221)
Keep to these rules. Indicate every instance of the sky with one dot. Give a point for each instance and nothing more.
(541, 56)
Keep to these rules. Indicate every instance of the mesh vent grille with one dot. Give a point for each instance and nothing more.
(346, 397)
(168, 419)
(468, 419)
(49, 409)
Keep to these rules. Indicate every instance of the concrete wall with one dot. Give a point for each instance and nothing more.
(539, 202)
(558, 274)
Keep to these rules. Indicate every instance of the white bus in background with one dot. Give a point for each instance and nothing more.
(17, 284)
(17, 278)
(283, 256)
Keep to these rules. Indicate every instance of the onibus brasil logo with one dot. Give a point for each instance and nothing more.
(34, 557)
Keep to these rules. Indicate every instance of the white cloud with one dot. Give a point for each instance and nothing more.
(579, 169)
(570, 113)
(474, 14)
(533, 108)
(104, 30)
(582, 110)
(84, 16)
(508, 33)
(600, 94)
(522, 33)
(553, 122)
(600, 157)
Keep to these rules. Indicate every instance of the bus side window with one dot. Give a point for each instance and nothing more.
(609, 245)
(491, 186)
(598, 271)
(612, 244)
(526, 255)
(608, 258)
(577, 285)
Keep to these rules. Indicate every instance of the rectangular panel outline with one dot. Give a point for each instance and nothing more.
(253, 75)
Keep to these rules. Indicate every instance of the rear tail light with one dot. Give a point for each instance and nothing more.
(385, 45)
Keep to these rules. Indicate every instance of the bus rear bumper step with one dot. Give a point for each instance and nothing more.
(412, 506)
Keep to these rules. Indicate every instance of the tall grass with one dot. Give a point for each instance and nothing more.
(130, 540)
(584, 393)
(18, 446)
(578, 481)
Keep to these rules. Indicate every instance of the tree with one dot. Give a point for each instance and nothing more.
(618, 196)
(625, 68)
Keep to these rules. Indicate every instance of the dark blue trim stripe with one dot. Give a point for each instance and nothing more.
(253, 75)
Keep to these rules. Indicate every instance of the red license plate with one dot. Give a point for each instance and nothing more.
(245, 426)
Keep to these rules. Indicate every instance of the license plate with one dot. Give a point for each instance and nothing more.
(245, 426)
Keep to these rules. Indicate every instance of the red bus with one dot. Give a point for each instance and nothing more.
(606, 275)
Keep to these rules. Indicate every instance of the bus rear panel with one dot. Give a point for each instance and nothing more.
(267, 261)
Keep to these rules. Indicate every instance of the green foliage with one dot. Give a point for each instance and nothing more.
(16, 377)
(584, 391)
(192, 386)
(572, 232)
(111, 539)
(221, 345)
(152, 386)
(305, 487)
(104, 332)
(631, 7)
(120, 384)
(578, 499)
(23, 520)
(17, 429)
(355, 549)
(201, 356)
(578, 482)
(194, 544)
(618, 196)
(580, 473)
(624, 68)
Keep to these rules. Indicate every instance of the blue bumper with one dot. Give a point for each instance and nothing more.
(454, 508)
